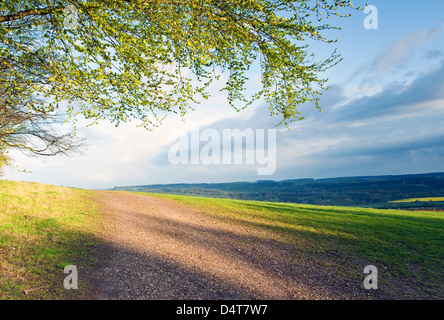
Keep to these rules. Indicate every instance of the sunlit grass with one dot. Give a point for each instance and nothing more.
(43, 228)
(419, 199)
(407, 246)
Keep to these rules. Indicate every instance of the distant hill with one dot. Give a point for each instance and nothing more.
(374, 191)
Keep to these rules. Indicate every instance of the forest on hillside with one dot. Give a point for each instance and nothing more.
(372, 191)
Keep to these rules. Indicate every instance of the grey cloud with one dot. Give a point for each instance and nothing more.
(379, 134)
(393, 100)
(386, 146)
(433, 54)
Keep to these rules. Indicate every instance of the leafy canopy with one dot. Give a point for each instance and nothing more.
(144, 59)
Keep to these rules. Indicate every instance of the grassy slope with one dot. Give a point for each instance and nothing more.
(43, 228)
(407, 247)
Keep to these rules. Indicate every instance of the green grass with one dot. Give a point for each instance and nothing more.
(419, 199)
(44, 228)
(406, 246)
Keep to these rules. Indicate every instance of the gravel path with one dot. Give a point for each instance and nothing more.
(157, 248)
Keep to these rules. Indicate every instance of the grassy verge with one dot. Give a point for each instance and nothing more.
(44, 228)
(406, 246)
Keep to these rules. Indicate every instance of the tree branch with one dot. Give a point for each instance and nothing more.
(31, 12)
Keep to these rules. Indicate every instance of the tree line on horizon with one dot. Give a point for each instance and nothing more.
(372, 191)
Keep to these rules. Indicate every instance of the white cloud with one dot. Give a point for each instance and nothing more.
(377, 127)
(404, 48)
(100, 177)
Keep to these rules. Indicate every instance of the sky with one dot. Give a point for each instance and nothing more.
(383, 115)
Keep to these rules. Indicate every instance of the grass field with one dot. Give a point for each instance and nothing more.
(43, 228)
(419, 199)
(407, 247)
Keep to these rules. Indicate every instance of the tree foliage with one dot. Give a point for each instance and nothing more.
(144, 59)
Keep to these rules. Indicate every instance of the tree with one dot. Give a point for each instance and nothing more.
(143, 59)
(31, 131)
(23, 125)
(34, 133)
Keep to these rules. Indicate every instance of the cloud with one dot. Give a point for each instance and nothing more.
(433, 54)
(402, 49)
(403, 58)
(395, 128)
(398, 130)
(367, 135)
(101, 177)
(424, 94)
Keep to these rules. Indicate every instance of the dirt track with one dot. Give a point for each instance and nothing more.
(159, 249)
